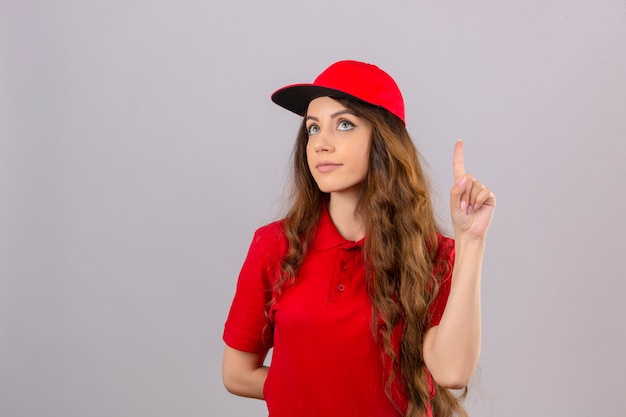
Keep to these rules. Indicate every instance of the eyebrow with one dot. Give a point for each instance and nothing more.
(332, 116)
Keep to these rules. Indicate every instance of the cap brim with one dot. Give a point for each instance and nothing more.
(296, 98)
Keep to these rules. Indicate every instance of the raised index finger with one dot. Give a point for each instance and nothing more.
(458, 165)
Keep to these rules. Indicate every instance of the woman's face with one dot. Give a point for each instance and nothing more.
(338, 148)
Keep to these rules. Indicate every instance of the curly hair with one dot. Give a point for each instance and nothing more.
(400, 249)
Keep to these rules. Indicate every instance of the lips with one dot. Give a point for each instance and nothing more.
(326, 166)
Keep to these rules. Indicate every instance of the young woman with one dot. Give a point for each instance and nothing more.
(369, 309)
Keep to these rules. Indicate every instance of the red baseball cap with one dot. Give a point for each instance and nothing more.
(345, 79)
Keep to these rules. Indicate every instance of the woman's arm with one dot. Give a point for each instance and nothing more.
(452, 349)
(243, 373)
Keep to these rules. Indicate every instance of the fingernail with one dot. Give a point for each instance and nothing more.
(461, 181)
(463, 205)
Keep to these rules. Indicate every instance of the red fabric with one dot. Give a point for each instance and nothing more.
(326, 361)
(343, 79)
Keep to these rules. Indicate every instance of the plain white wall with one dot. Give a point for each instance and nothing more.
(139, 151)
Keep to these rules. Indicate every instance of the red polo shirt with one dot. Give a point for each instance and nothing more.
(325, 362)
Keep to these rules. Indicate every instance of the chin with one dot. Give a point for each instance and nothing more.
(333, 189)
(326, 190)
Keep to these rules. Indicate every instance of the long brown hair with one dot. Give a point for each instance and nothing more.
(400, 248)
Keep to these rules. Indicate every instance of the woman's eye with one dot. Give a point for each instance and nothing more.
(345, 125)
(313, 129)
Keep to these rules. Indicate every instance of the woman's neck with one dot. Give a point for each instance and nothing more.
(342, 211)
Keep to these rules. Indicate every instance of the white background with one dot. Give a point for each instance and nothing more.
(139, 151)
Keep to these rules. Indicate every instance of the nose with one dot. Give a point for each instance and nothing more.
(322, 141)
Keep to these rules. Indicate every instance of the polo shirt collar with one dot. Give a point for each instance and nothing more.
(327, 236)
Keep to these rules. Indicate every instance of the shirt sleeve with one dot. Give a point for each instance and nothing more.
(443, 270)
(247, 327)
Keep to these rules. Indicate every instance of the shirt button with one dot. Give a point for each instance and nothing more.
(341, 287)
(343, 266)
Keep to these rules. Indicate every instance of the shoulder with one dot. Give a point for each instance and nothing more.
(445, 245)
(265, 256)
(444, 258)
(270, 239)
(272, 232)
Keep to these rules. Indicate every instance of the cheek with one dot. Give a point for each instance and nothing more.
(365, 161)
(309, 153)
